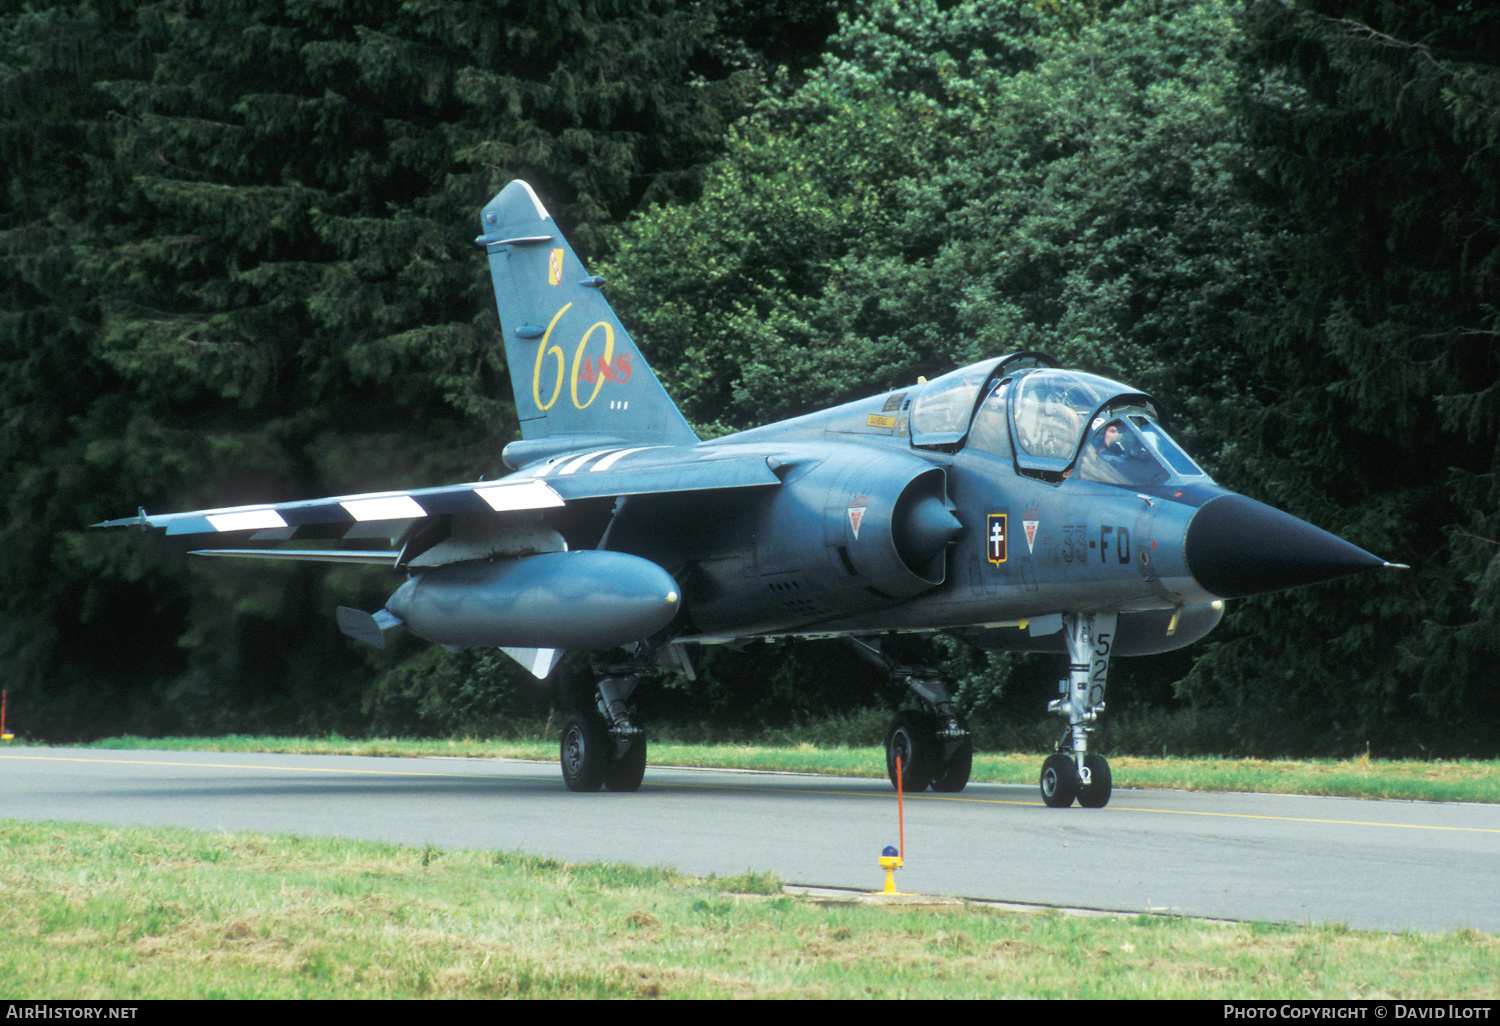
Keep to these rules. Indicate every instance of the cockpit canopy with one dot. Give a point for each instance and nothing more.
(1051, 422)
(941, 413)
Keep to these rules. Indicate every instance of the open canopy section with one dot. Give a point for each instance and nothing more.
(1051, 410)
(941, 413)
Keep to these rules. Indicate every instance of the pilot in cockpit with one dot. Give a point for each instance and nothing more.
(1109, 442)
(1115, 456)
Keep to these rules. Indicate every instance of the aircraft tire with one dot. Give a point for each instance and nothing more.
(584, 754)
(1059, 781)
(954, 777)
(913, 736)
(627, 772)
(1101, 783)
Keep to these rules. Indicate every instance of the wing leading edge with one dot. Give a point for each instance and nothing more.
(539, 489)
(273, 521)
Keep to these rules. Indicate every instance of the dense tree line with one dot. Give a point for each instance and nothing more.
(237, 265)
(1372, 131)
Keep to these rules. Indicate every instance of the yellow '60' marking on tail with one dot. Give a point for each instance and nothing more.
(541, 352)
(592, 369)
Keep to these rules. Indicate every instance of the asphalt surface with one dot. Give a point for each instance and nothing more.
(1369, 864)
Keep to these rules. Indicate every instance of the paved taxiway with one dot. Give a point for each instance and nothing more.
(1370, 864)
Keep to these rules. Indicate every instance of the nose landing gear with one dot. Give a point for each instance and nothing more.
(1075, 773)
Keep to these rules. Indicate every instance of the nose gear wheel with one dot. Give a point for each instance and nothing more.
(1059, 781)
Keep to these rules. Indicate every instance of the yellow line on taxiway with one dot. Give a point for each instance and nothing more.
(1126, 808)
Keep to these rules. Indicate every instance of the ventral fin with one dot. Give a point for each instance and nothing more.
(538, 662)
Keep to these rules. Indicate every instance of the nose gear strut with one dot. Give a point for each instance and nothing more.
(1075, 772)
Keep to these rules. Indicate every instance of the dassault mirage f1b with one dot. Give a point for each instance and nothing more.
(1012, 504)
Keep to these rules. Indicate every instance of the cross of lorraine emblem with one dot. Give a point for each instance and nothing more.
(997, 535)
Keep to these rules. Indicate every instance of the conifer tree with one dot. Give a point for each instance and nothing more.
(1377, 373)
(238, 267)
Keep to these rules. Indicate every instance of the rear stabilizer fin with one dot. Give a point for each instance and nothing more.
(573, 366)
(367, 627)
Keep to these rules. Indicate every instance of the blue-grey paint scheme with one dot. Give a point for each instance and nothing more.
(1012, 504)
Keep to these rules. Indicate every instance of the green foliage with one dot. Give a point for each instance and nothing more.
(953, 184)
(237, 266)
(437, 693)
(1375, 368)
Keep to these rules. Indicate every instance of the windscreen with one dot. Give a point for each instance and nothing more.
(1180, 462)
(1114, 454)
(1133, 451)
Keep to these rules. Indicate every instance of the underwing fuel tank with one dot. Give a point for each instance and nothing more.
(587, 599)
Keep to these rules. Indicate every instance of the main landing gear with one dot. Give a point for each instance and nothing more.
(601, 745)
(932, 743)
(1074, 772)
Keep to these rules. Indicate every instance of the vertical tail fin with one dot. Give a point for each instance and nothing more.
(574, 368)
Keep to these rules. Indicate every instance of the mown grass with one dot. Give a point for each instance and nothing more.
(95, 912)
(1451, 780)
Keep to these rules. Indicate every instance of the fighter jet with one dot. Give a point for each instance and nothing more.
(1012, 504)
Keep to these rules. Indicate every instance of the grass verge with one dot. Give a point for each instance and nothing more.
(1451, 780)
(96, 912)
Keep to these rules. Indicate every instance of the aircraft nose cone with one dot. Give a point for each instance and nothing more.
(1237, 547)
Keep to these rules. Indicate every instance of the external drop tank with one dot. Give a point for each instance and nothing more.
(588, 599)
